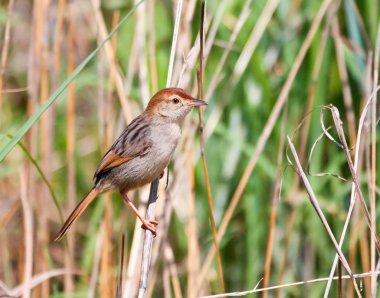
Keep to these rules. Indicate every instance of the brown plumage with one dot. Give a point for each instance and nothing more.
(141, 153)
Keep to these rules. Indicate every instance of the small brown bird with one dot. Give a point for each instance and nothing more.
(142, 152)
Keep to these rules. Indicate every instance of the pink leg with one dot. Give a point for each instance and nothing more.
(146, 224)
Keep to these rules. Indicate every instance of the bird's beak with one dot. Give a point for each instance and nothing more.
(196, 102)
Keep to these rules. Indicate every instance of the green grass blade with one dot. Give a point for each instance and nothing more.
(20, 133)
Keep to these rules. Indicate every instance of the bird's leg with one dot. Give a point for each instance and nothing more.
(146, 224)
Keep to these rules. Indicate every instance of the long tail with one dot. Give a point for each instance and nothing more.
(79, 209)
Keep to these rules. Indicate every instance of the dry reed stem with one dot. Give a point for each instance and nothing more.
(119, 289)
(112, 62)
(253, 40)
(159, 242)
(373, 160)
(284, 260)
(34, 73)
(141, 57)
(70, 149)
(347, 96)
(148, 240)
(245, 11)
(203, 155)
(5, 52)
(152, 48)
(299, 283)
(312, 88)
(305, 133)
(28, 224)
(339, 128)
(315, 204)
(353, 192)
(133, 262)
(275, 199)
(282, 98)
(214, 29)
(150, 213)
(243, 60)
(34, 281)
(96, 263)
(174, 43)
(192, 244)
(58, 42)
(106, 279)
(14, 90)
(46, 147)
(170, 260)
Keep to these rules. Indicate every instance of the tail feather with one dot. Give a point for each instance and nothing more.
(79, 209)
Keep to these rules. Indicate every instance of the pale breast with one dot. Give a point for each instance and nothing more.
(144, 169)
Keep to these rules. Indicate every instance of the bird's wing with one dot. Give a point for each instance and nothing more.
(127, 147)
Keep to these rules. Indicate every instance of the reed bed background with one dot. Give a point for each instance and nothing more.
(271, 69)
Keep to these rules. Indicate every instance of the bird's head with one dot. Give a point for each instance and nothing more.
(173, 104)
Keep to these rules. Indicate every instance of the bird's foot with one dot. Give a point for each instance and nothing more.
(150, 225)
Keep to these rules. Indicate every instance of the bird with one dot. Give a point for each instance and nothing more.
(141, 152)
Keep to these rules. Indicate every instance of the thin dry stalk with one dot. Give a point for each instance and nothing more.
(304, 134)
(110, 54)
(239, 25)
(14, 90)
(132, 65)
(243, 60)
(34, 68)
(320, 214)
(347, 96)
(342, 138)
(169, 256)
(373, 161)
(142, 62)
(148, 239)
(70, 149)
(359, 234)
(28, 224)
(5, 52)
(34, 281)
(254, 39)
(284, 259)
(353, 192)
(340, 284)
(203, 155)
(214, 28)
(133, 263)
(152, 47)
(299, 283)
(174, 43)
(46, 145)
(151, 209)
(312, 89)
(282, 98)
(273, 210)
(106, 288)
(119, 289)
(166, 282)
(193, 247)
(58, 42)
(96, 264)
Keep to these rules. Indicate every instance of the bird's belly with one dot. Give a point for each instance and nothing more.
(144, 169)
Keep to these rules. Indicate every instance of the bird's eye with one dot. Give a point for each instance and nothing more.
(175, 100)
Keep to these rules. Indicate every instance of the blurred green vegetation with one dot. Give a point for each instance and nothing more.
(301, 247)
